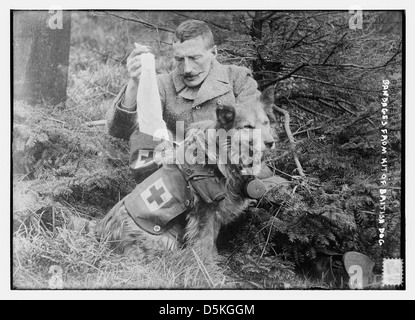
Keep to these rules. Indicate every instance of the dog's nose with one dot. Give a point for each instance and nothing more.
(269, 144)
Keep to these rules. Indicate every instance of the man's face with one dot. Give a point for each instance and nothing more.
(193, 60)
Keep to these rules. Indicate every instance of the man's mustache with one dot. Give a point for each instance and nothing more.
(189, 75)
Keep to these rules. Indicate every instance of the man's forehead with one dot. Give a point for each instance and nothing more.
(189, 47)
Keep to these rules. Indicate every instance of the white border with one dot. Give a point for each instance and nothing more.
(5, 292)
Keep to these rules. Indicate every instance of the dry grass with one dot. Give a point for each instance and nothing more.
(87, 264)
(49, 233)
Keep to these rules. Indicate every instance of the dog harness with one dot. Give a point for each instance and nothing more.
(164, 191)
(166, 194)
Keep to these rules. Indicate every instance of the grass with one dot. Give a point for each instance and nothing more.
(49, 232)
(88, 264)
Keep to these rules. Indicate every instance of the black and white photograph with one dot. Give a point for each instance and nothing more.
(209, 150)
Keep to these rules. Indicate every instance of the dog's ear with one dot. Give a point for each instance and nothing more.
(267, 99)
(267, 96)
(225, 116)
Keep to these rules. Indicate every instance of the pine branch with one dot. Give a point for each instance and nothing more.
(284, 77)
(334, 49)
(354, 66)
(334, 85)
(315, 113)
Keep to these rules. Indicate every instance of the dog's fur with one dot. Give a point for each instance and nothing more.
(200, 224)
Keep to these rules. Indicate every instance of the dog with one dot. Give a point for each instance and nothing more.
(204, 215)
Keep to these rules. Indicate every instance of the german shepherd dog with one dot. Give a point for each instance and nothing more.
(200, 224)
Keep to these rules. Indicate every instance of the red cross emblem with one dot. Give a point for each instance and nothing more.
(144, 156)
(156, 195)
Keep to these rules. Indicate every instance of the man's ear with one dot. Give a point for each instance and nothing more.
(225, 116)
(214, 51)
(267, 99)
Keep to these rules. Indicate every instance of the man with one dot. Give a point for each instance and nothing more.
(190, 93)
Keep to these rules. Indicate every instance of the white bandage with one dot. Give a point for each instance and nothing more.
(149, 111)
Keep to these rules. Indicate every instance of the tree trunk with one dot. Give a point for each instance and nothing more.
(41, 42)
(256, 27)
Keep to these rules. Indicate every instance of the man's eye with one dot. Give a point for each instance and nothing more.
(196, 57)
(248, 126)
(266, 122)
(178, 59)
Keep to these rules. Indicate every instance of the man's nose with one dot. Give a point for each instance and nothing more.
(187, 66)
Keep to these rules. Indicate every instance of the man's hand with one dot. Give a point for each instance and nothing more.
(134, 71)
(134, 62)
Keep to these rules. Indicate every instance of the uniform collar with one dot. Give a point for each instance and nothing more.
(215, 84)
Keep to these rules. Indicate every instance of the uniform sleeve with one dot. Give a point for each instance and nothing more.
(161, 80)
(121, 122)
(245, 86)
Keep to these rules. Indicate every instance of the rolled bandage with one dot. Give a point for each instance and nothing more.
(149, 110)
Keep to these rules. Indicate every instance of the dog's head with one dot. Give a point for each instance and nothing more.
(249, 131)
(238, 138)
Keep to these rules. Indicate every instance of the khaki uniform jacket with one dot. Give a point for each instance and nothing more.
(225, 84)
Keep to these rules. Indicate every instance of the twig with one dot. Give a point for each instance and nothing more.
(284, 77)
(346, 109)
(53, 222)
(236, 53)
(49, 258)
(310, 111)
(203, 268)
(96, 123)
(291, 138)
(204, 20)
(324, 103)
(85, 103)
(354, 66)
(147, 24)
(306, 130)
(334, 49)
(321, 99)
(301, 39)
(104, 90)
(53, 119)
(334, 85)
(270, 229)
(107, 55)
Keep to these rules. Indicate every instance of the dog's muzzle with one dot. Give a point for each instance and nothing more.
(254, 188)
